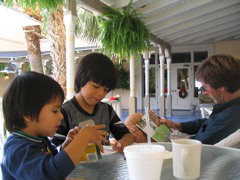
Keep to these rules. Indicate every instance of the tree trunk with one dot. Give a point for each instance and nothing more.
(33, 46)
(57, 39)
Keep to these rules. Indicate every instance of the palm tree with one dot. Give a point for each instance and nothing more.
(56, 34)
(32, 36)
(57, 39)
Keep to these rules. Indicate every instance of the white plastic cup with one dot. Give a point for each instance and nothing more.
(186, 158)
(144, 161)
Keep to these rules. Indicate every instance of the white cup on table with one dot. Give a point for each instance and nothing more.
(186, 158)
(144, 161)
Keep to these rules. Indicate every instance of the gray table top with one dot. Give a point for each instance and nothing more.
(216, 163)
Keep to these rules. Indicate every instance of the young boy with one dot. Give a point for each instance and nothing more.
(95, 77)
(31, 108)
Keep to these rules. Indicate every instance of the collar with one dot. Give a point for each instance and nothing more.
(75, 103)
(220, 107)
(32, 138)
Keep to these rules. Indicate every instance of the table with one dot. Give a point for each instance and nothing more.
(216, 163)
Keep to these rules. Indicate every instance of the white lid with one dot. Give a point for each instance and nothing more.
(144, 151)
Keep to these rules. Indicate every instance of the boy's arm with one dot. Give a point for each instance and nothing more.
(116, 126)
(126, 140)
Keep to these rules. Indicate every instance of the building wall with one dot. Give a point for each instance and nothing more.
(228, 47)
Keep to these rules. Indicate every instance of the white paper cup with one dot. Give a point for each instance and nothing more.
(186, 158)
(144, 161)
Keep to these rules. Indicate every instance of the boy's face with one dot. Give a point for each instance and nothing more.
(93, 93)
(49, 120)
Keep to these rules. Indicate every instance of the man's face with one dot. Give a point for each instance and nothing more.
(215, 94)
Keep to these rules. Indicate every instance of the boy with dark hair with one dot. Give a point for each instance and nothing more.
(31, 107)
(95, 77)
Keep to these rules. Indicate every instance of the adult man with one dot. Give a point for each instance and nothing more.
(220, 78)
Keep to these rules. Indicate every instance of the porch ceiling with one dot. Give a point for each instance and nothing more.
(183, 22)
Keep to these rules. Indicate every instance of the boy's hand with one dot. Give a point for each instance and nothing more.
(70, 136)
(126, 140)
(95, 135)
(137, 133)
(131, 122)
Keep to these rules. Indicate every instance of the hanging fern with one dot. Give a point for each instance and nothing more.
(123, 33)
(119, 32)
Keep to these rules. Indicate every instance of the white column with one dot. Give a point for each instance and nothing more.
(146, 62)
(70, 20)
(169, 92)
(162, 96)
(46, 63)
(20, 67)
(132, 98)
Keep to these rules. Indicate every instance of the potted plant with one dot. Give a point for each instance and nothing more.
(123, 33)
(119, 31)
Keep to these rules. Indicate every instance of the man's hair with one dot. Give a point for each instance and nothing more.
(26, 96)
(220, 71)
(98, 68)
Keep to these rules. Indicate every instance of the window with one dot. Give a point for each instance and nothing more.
(182, 77)
(152, 84)
(181, 57)
(151, 59)
(199, 56)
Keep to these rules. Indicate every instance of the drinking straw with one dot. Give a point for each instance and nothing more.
(148, 126)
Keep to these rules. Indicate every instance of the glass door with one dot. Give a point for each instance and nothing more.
(181, 96)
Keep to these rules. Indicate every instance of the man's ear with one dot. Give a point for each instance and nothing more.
(222, 89)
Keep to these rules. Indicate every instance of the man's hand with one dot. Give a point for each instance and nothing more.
(131, 122)
(170, 124)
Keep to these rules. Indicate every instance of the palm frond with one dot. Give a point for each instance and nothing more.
(34, 4)
(87, 27)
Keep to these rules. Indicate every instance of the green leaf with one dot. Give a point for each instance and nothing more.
(34, 4)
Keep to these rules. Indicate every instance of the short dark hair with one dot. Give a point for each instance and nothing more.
(220, 71)
(26, 96)
(98, 68)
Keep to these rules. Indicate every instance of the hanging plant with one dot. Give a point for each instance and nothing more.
(123, 33)
(119, 31)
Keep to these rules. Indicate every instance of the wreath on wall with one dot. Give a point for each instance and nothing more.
(182, 93)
